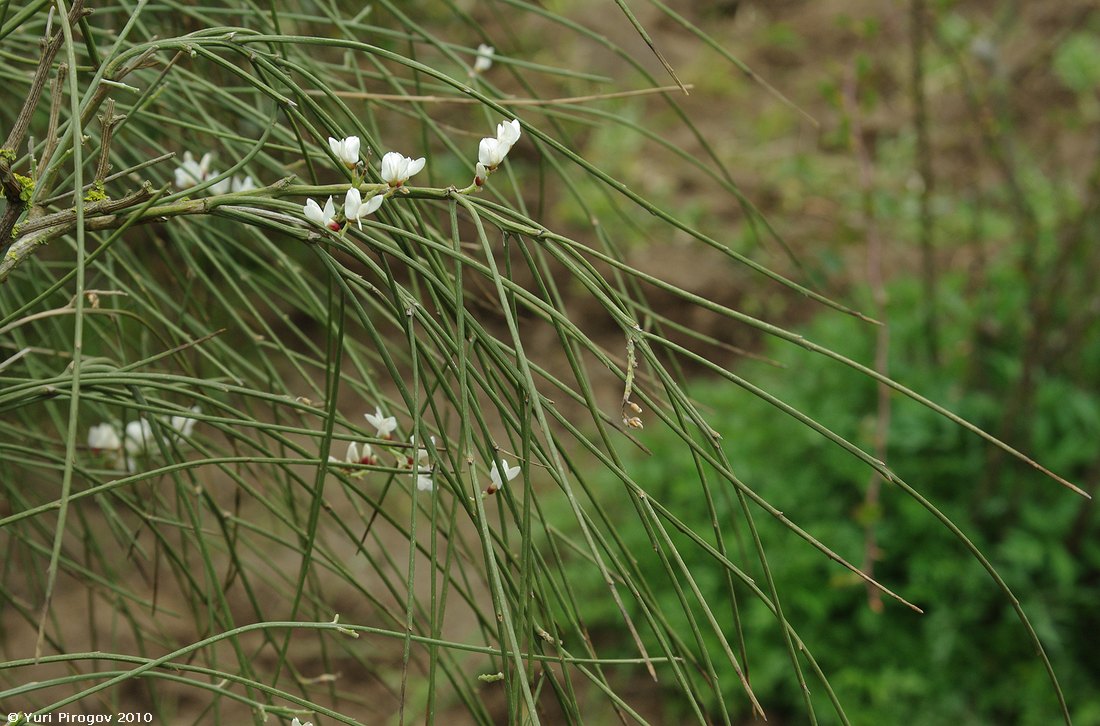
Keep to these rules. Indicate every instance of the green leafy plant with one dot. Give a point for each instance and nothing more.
(963, 661)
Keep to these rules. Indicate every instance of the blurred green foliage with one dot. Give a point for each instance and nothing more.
(966, 660)
(1077, 62)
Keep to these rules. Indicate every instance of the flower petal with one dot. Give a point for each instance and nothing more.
(139, 434)
(415, 166)
(352, 201)
(184, 424)
(313, 212)
(488, 153)
(243, 185)
(508, 133)
(371, 206)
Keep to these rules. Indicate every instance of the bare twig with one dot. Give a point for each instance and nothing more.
(649, 41)
(57, 93)
(98, 96)
(13, 189)
(68, 216)
(111, 177)
(630, 410)
(50, 46)
(367, 95)
(109, 121)
(42, 230)
(917, 36)
(871, 500)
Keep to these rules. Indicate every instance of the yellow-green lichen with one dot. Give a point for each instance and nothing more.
(96, 193)
(28, 186)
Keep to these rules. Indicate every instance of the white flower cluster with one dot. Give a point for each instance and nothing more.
(193, 172)
(421, 463)
(364, 453)
(396, 170)
(384, 425)
(137, 439)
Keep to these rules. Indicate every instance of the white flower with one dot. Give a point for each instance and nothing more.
(296, 722)
(346, 150)
(182, 425)
(424, 470)
(501, 473)
(243, 185)
(481, 174)
(355, 208)
(355, 455)
(192, 172)
(324, 217)
(423, 459)
(484, 60)
(489, 154)
(491, 151)
(233, 184)
(137, 439)
(103, 437)
(386, 425)
(396, 169)
(351, 457)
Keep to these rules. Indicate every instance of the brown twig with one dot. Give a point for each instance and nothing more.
(918, 33)
(45, 181)
(13, 189)
(49, 46)
(871, 502)
(991, 130)
(40, 231)
(145, 60)
(57, 96)
(109, 121)
(630, 410)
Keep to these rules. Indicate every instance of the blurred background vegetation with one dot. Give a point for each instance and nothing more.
(970, 217)
(933, 164)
